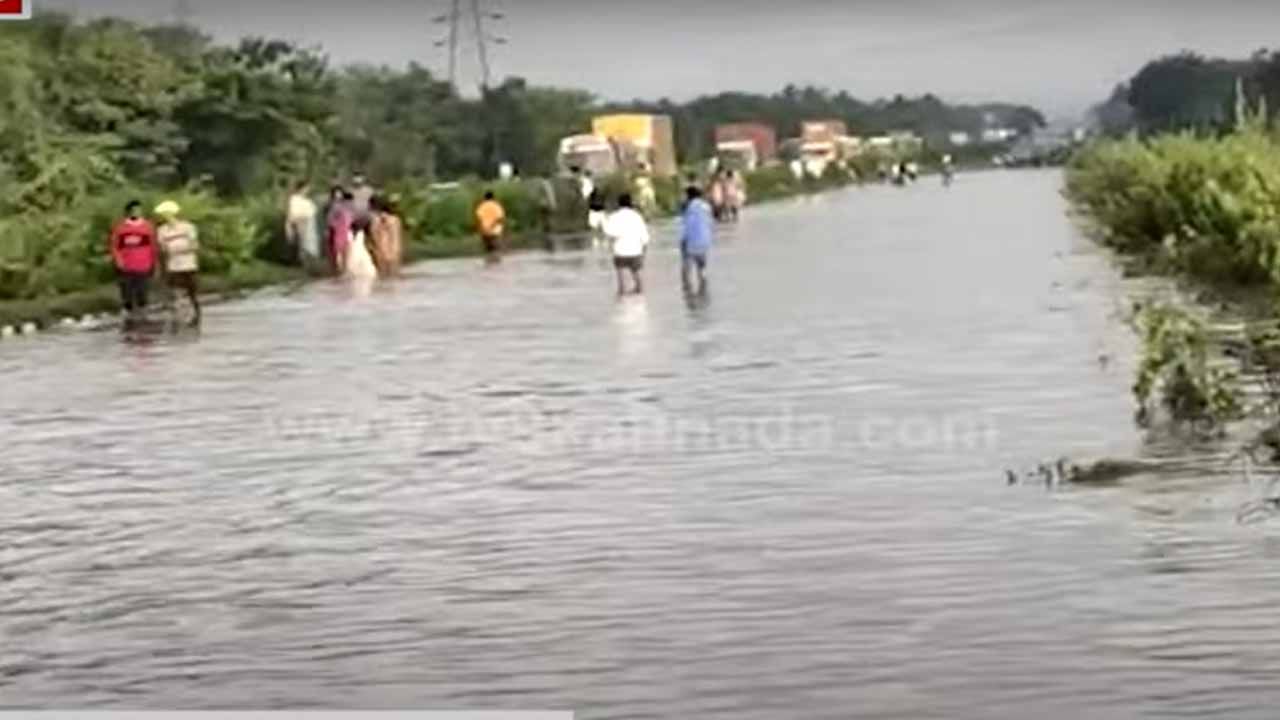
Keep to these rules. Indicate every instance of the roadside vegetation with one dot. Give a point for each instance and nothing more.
(1201, 204)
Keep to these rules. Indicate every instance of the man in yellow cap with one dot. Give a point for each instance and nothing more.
(180, 244)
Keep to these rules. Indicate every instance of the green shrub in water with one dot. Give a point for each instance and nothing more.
(1178, 369)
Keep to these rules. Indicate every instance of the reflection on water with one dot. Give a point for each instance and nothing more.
(360, 288)
(502, 488)
(634, 326)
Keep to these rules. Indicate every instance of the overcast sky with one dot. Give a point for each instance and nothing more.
(1060, 56)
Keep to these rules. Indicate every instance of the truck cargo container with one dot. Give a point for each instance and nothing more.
(818, 155)
(651, 136)
(737, 155)
(730, 139)
(590, 153)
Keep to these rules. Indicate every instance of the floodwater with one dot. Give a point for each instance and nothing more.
(500, 488)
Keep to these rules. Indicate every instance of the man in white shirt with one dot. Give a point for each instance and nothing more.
(630, 235)
(180, 244)
(300, 226)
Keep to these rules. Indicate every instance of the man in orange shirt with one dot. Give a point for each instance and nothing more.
(491, 222)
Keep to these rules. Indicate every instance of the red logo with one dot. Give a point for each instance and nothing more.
(15, 9)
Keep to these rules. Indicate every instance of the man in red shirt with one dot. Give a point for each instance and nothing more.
(133, 248)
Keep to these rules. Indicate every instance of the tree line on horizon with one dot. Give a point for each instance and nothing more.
(1190, 91)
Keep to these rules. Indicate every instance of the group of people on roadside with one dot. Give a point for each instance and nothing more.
(904, 172)
(628, 234)
(140, 250)
(360, 234)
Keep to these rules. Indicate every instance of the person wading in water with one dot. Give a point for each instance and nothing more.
(339, 220)
(180, 244)
(630, 235)
(491, 222)
(133, 252)
(385, 235)
(301, 229)
(697, 227)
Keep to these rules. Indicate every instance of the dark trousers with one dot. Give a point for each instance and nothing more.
(187, 282)
(133, 290)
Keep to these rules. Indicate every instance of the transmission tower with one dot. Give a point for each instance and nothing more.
(458, 18)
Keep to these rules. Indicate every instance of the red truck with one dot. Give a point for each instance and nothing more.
(746, 145)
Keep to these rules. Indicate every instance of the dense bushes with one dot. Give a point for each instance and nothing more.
(1204, 207)
(57, 253)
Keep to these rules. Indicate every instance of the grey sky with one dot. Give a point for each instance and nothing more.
(1061, 56)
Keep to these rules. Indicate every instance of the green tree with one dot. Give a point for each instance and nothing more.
(1184, 91)
(108, 81)
(262, 116)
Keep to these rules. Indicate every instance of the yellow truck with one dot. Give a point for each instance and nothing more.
(651, 137)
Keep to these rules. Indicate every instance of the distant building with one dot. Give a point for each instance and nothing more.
(999, 135)
(960, 138)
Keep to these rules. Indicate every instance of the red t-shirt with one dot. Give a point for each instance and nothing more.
(133, 246)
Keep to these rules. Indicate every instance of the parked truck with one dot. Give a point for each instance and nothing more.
(650, 137)
(745, 146)
(589, 153)
(823, 143)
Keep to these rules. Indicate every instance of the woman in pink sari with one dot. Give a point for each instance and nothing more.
(341, 216)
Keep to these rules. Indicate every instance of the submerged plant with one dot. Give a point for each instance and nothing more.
(1178, 369)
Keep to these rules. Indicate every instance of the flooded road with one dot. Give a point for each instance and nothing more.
(501, 488)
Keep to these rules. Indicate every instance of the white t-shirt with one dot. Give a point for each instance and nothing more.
(301, 209)
(629, 231)
(181, 245)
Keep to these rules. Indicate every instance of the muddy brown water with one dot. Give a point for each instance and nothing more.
(501, 488)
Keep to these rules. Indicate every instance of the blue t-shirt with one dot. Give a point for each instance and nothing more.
(698, 226)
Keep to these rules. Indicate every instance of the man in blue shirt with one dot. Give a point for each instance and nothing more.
(697, 226)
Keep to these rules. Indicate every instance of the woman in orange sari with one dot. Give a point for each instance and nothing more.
(386, 237)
